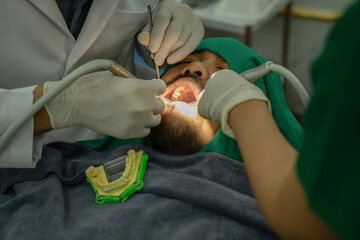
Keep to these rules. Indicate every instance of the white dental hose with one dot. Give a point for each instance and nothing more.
(102, 64)
(92, 66)
(256, 73)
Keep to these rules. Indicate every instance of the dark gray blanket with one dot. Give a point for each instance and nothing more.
(199, 196)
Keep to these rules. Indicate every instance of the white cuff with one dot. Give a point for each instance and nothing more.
(19, 151)
(37, 148)
(243, 97)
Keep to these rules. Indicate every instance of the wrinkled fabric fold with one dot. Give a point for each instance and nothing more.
(197, 196)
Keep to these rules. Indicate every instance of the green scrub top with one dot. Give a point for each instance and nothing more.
(240, 58)
(329, 161)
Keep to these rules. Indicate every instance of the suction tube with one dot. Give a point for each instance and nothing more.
(90, 67)
(102, 64)
(256, 73)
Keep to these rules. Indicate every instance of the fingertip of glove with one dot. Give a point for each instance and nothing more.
(160, 106)
(144, 38)
(157, 120)
(172, 59)
(160, 58)
(138, 134)
(146, 132)
(153, 122)
(201, 112)
(159, 85)
(224, 71)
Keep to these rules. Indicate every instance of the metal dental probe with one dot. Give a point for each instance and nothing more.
(151, 26)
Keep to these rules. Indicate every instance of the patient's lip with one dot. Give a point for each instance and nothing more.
(190, 94)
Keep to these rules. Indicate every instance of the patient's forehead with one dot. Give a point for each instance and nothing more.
(205, 60)
(207, 55)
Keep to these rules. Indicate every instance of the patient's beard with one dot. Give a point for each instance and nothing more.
(177, 134)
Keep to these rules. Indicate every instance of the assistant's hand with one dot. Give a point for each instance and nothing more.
(177, 31)
(119, 107)
(223, 91)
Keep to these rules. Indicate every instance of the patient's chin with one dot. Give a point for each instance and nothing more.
(177, 134)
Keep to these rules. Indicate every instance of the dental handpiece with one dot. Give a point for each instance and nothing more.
(151, 26)
(267, 68)
(89, 67)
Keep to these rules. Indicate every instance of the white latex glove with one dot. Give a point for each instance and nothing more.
(176, 32)
(119, 107)
(224, 90)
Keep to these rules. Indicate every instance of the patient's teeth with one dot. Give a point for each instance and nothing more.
(177, 93)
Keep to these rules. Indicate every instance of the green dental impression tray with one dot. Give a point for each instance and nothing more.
(118, 179)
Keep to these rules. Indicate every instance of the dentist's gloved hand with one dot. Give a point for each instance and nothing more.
(177, 31)
(223, 91)
(120, 107)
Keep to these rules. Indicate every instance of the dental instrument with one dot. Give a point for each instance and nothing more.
(101, 64)
(152, 55)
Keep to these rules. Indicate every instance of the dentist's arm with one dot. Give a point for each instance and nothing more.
(244, 112)
(119, 107)
(41, 118)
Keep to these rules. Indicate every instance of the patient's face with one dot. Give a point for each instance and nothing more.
(182, 130)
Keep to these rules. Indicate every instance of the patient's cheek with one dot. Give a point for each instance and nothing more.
(171, 73)
(167, 76)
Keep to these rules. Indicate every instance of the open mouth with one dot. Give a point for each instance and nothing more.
(184, 90)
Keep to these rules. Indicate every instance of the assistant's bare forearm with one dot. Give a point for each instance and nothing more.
(270, 162)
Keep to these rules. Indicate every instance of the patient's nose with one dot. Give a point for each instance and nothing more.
(197, 68)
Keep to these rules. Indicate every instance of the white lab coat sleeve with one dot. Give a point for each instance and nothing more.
(21, 151)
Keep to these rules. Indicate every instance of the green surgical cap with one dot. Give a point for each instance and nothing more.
(238, 56)
(241, 58)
